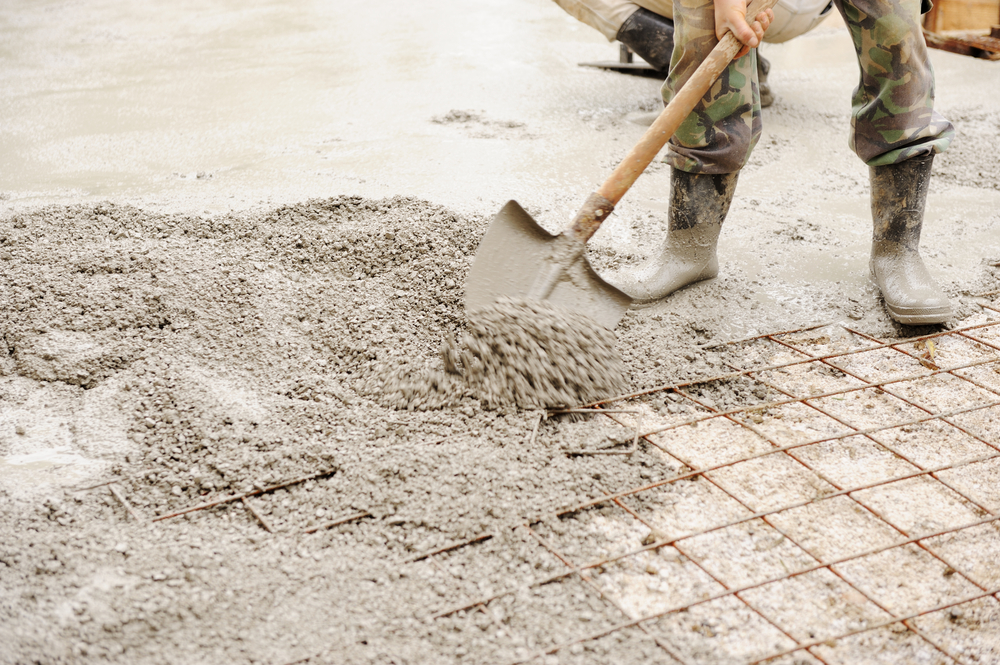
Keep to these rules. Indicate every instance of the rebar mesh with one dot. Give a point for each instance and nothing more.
(834, 495)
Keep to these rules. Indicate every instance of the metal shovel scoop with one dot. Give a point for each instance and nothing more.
(518, 258)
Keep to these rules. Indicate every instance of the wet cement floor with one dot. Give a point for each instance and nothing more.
(223, 105)
(211, 106)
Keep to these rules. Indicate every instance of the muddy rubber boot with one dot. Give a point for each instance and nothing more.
(763, 69)
(649, 35)
(899, 192)
(698, 206)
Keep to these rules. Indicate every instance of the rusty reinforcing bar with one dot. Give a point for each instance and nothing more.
(978, 345)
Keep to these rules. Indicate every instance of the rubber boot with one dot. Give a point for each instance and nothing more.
(698, 206)
(763, 68)
(649, 35)
(899, 193)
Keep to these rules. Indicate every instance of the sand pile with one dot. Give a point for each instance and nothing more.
(189, 357)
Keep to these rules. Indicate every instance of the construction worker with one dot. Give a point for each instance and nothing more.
(894, 130)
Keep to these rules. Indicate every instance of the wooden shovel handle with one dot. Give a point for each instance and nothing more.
(602, 202)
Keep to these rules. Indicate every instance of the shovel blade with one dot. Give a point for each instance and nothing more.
(512, 254)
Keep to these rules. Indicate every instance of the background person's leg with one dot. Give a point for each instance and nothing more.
(664, 8)
(647, 32)
(649, 35)
(605, 16)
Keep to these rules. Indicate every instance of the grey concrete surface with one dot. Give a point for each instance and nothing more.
(199, 108)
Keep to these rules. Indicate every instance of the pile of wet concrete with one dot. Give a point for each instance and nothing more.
(198, 328)
(194, 357)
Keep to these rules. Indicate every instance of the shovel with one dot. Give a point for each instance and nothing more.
(518, 258)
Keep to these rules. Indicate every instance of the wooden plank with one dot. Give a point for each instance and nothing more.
(971, 44)
(963, 15)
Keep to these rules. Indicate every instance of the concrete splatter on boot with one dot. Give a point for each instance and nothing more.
(898, 196)
(698, 206)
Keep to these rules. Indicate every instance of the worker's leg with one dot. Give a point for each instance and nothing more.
(718, 136)
(896, 131)
(698, 206)
(645, 31)
(899, 192)
(893, 117)
(649, 35)
(706, 154)
(605, 16)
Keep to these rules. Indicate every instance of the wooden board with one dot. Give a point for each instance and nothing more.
(963, 15)
(972, 44)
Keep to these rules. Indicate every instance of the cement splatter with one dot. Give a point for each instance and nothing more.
(516, 352)
(535, 354)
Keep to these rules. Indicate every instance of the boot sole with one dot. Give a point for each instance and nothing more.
(912, 316)
(919, 316)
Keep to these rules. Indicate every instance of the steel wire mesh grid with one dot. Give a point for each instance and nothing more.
(834, 500)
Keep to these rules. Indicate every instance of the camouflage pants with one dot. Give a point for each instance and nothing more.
(892, 117)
